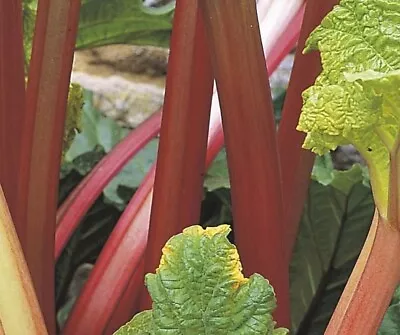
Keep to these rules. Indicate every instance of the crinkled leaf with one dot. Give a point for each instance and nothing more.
(333, 228)
(357, 36)
(141, 324)
(123, 22)
(199, 289)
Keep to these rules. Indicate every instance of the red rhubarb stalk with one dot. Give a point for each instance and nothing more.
(371, 285)
(178, 186)
(47, 92)
(110, 277)
(249, 128)
(118, 262)
(85, 194)
(12, 102)
(297, 163)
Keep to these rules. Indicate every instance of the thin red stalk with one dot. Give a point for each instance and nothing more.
(129, 302)
(12, 101)
(79, 201)
(120, 257)
(287, 40)
(110, 277)
(371, 285)
(178, 186)
(247, 116)
(85, 194)
(47, 91)
(297, 163)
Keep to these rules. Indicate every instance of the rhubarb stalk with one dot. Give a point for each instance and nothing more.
(19, 309)
(297, 163)
(178, 186)
(249, 128)
(371, 285)
(47, 92)
(121, 258)
(12, 101)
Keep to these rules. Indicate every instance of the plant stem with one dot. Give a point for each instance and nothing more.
(12, 102)
(100, 301)
(288, 39)
(19, 309)
(249, 128)
(393, 215)
(85, 194)
(47, 92)
(178, 186)
(371, 285)
(115, 266)
(297, 163)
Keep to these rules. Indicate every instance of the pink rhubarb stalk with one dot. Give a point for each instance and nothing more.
(110, 277)
(370, 288)
(85, 194)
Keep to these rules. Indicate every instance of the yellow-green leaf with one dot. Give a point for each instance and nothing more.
(199, 289)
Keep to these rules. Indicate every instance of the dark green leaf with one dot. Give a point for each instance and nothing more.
(391, 321)
(335, 222)
(123, 22)
(85, 244)
(323, 169)
(84, 163)
(278, 106)
(216, 208)
(132, 174)
(217, 175)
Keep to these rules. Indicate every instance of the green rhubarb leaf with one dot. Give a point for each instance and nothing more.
(343, 107)
(141, 324)
(123, 22)
(199, 289)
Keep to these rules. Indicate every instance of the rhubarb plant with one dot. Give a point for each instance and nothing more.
(355, 99)
(199, 288)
